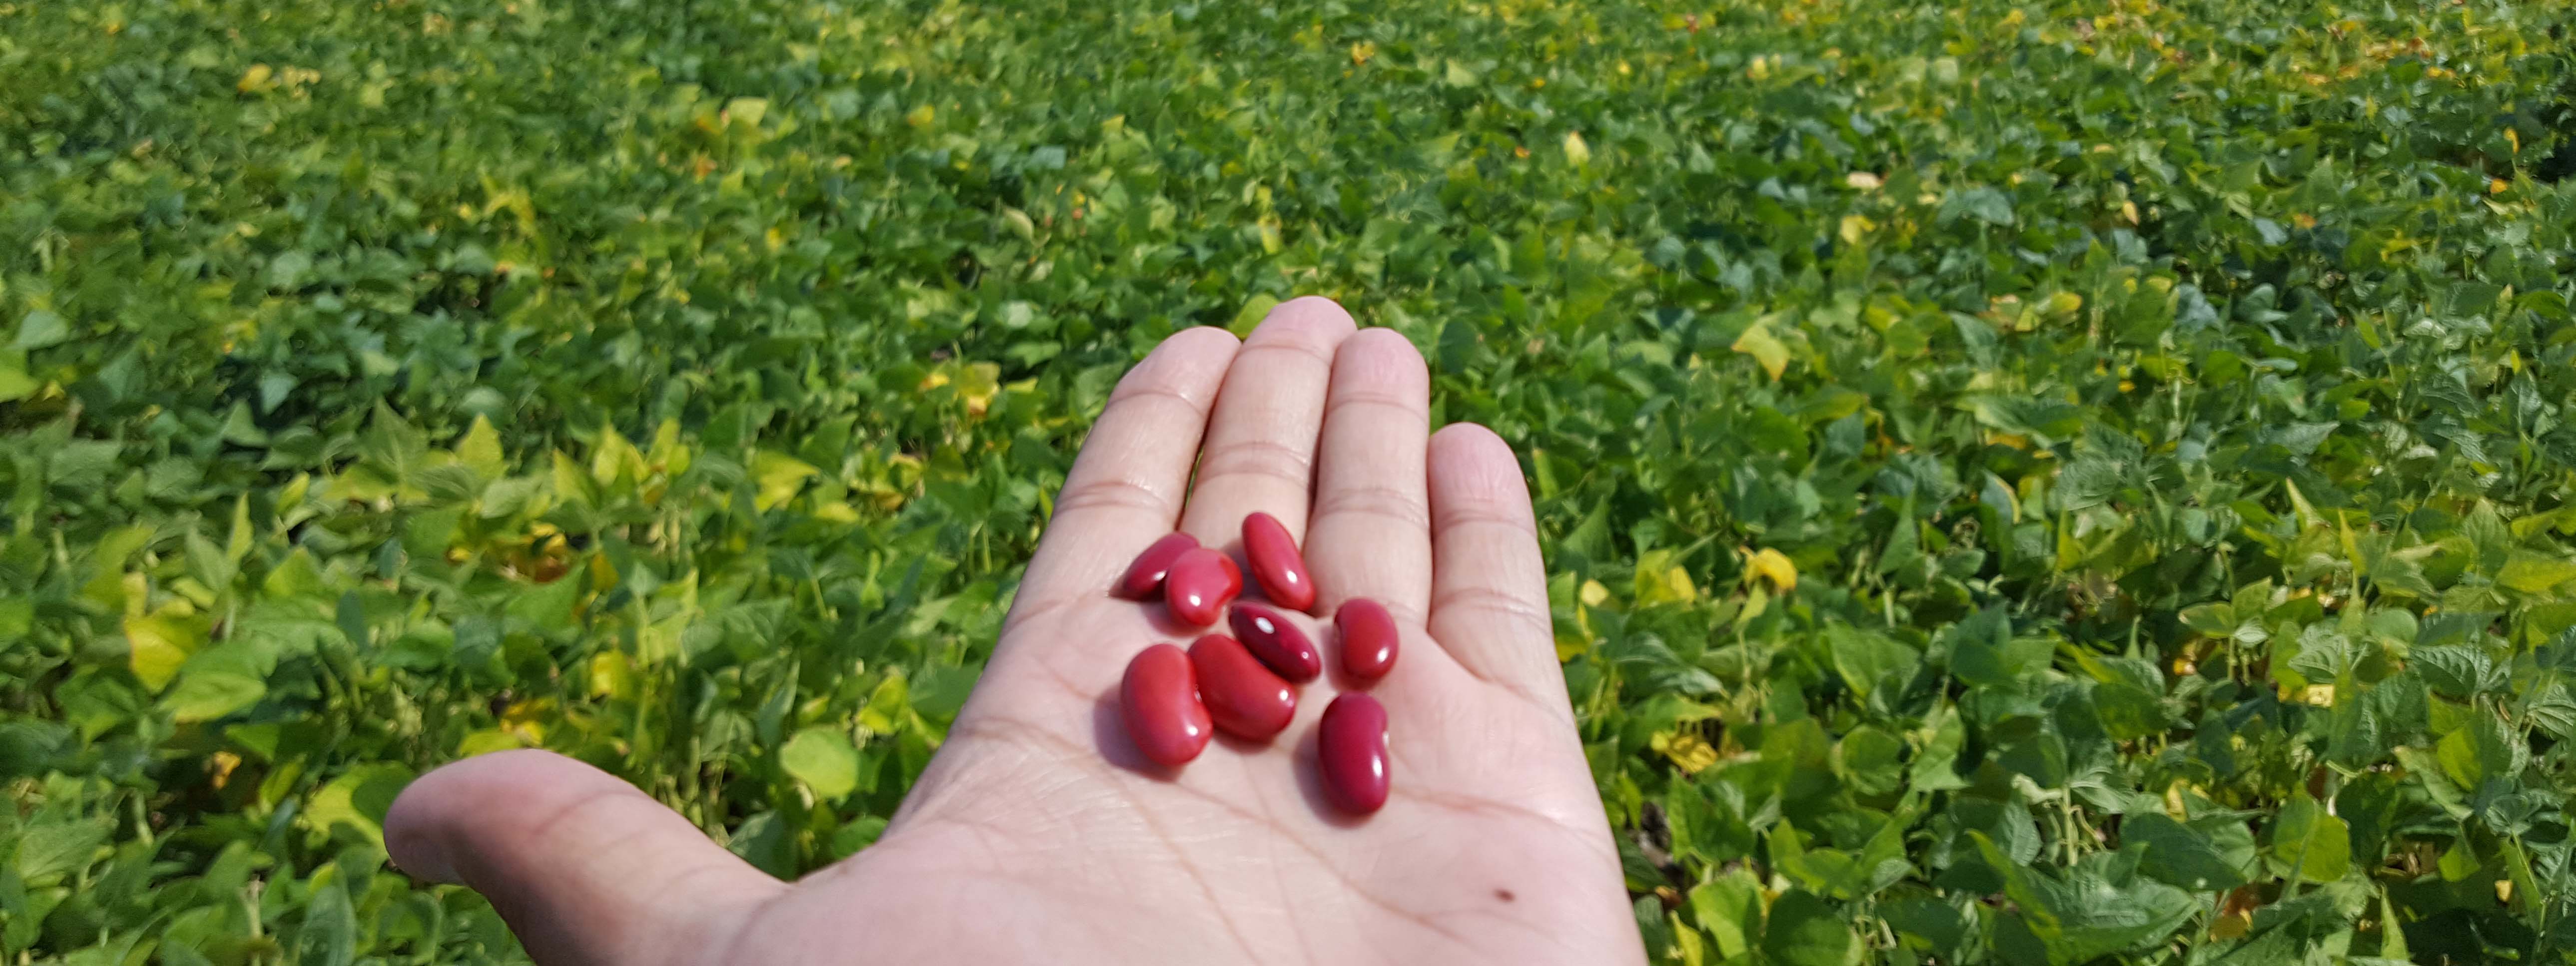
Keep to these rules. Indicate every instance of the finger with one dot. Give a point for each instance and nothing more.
(1126, 487)
(1260, 452)
(1371, 533)
(586, 869)
(1488, 585)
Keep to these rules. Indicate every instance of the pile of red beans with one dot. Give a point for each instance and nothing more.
(1245, 685)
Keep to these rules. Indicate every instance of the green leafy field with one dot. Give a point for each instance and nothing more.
(2070, 482)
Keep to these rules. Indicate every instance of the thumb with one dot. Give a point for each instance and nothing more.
(586, 869)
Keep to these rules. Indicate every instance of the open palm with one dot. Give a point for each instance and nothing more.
(1039, 833)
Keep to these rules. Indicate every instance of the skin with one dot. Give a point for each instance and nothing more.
(1039, 834)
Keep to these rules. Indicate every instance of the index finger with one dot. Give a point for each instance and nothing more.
(1126, 487)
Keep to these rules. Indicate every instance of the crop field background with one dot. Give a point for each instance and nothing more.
(2048, 483)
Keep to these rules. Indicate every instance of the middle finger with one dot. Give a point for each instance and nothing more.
(1260, 453)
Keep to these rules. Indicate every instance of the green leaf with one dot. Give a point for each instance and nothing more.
(2177, 854)
(1865, 659)
(2090, 912)
(2311, 841)
(2459, 671)
(1936, 766)
(329, 936)
(393, 446)
(825, 760)
(1870, 760)
(2478, 751)
(547, 608)
(1804, 930)
(40, 329)
(15, 383)
(2215, 620)
(764, 841)
(2392, 945)
(1728, 909)
(1983, 651)
(211, 694)
(1984, 204)
(52, 848)
(2533, 573)
(17, 618)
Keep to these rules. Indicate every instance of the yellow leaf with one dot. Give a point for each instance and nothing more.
(255, 79)
(2321, 695)
(2232, 925)
(780, 476)
(527, 719)
(982, 382)
(1688, 751)
(1361, 52)
(1250, 315)
(1755, 603)
(1660, 581)
(891, 698)
(1774, 566)
(160, 643)
(614, 460)
(668, 454)
(1577, 152)
(238, 545)
(612, 675)
(1593, 593)
(1863, 180)
(1765, 348)
(837, 511)
(921, 116)
(2065, 303)
(487, 741)
(2129, 210)
(1855, 228)
(747, 111)
(480, 450)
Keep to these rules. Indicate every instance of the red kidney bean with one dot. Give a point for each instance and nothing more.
(1244, 698)
(1276, 564)
(1200, 584)
(1352, 746)
(1159, 701)
(1145, 577)
(1276, 642)
(1368, 638)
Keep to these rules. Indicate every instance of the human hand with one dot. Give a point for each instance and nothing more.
(1039, 834)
